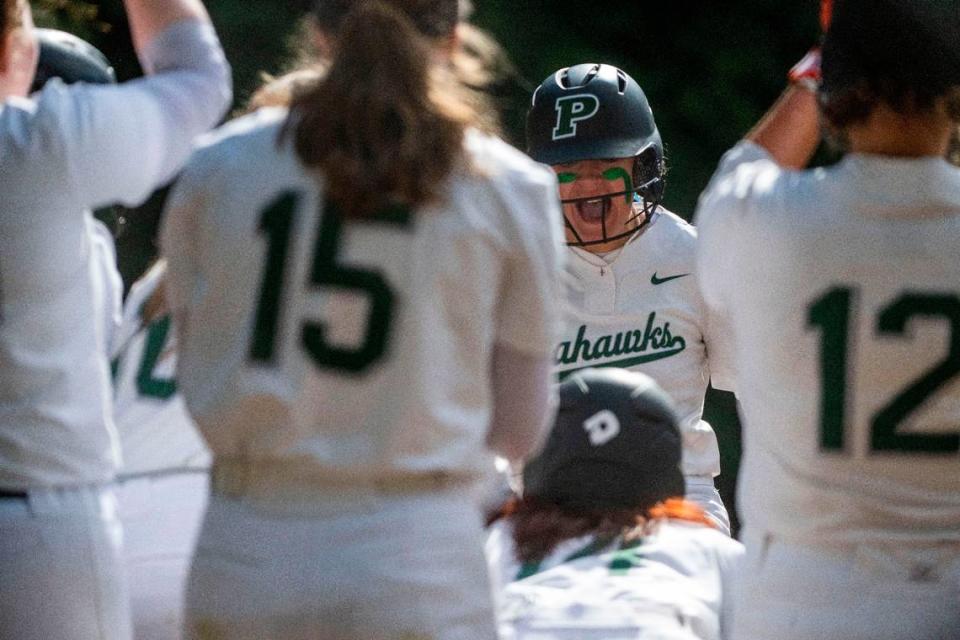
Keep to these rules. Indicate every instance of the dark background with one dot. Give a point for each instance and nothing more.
(709, 69)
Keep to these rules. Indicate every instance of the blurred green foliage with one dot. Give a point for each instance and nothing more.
(709, 69)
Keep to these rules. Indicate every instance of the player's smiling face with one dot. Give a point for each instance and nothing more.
(590, 217)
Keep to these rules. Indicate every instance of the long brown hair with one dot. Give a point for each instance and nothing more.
(386, 124)
(539, 525)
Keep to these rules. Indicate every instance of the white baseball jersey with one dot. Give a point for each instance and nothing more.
(842, 289)
(156, 432)
(108, 286)
(360, 349)
(643, 311)
(673, 583)
(72, 149)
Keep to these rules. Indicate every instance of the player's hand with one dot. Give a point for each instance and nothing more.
(806, 73)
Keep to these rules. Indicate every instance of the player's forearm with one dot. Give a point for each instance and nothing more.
(524, 403)
(790, 130)
(150, 17)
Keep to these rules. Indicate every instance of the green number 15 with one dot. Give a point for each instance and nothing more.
(326, 272)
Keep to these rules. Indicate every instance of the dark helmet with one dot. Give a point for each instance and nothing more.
(597, 112)
(65, 56)
(615, 445)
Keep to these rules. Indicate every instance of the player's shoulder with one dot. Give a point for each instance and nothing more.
(15, 114)
(669, 234)
(670, 224)
(47, 121)
(749, 184)
(500, 189)
(32, 130)
(501, 162)
(747, 166)
(231, 142)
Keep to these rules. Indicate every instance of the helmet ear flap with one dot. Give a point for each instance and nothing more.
(648, 173)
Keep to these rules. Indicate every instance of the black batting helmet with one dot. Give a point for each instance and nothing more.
(597, 112)
(65, 56)
(590, 112)
(615, 445)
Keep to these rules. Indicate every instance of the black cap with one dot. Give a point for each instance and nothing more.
(615, 445)
(65, 56)
(590, 112)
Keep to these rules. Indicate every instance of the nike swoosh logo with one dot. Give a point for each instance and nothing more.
(655, 280)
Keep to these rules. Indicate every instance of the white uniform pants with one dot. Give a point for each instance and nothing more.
(701, 489)
(338, 565)
(161, 516)
(884, 591)
(60, 571)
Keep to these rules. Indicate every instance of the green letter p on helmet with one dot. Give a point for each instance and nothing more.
(571, 110)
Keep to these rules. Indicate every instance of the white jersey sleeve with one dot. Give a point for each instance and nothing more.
(718, 338)
(119, 142)
(718, 341)
(743, 172)
(529, 317)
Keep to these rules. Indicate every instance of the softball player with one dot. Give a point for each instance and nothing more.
(632, 297)
(64, 151)
(602, 545)
(365, 289)
(842, 288)
(163, 484)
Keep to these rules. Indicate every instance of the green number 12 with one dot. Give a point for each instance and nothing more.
(832, 315)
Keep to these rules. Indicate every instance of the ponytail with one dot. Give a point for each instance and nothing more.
(385, 125)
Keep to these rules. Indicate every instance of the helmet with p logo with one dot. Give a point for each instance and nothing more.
(598, 112)
(590, 112)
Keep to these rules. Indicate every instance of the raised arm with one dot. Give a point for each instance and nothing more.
(150, 17)
(121, 142)
(790, 130)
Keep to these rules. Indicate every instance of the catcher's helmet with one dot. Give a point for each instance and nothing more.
(597, 112)
(615, 445)
(65, 56)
